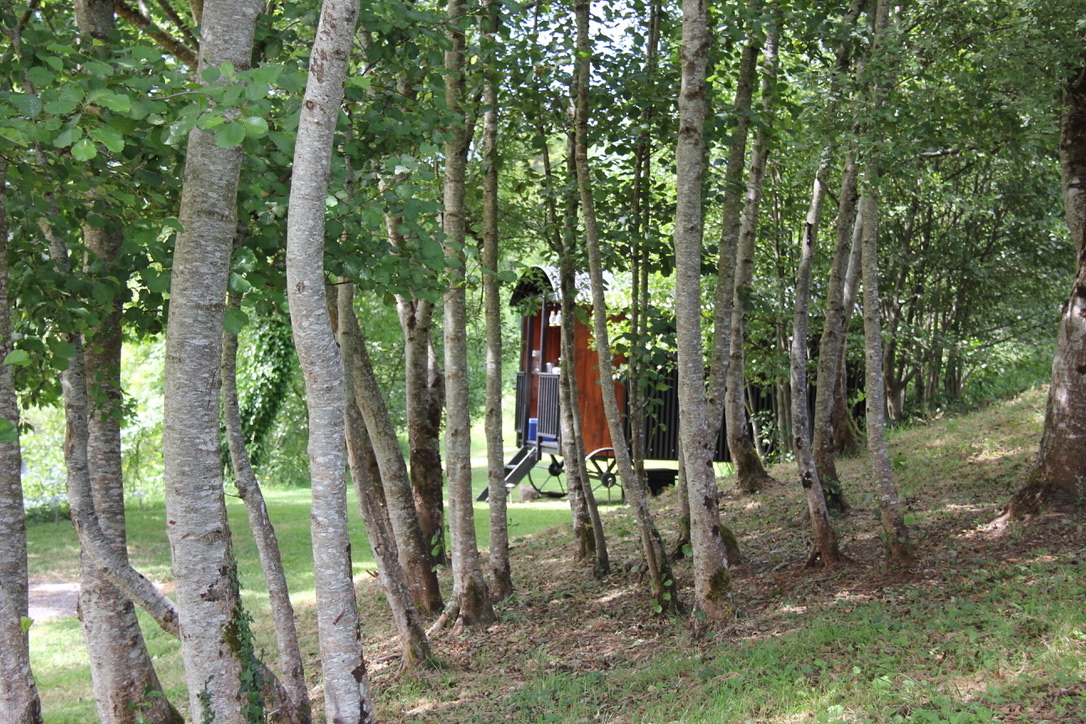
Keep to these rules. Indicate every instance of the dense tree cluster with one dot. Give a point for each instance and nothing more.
(374, 173)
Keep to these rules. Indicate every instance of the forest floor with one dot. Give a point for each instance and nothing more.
(989, 626)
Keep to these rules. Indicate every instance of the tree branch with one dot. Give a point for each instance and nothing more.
(164, 40)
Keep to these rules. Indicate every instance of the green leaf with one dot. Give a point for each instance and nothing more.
(157, 281)
(28, 105)
(210, 75)
(229, 134)
(17, 358)
(8, 431)
(255, 126)
(40, 76)
(235, 320)
(117, 102)
(62, 348)
(25, 623)
(84, 150)
(68, 136)
(109, 137)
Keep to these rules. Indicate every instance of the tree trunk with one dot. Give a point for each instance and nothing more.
(122, 673)
(1057, 480)
(501, 580)
(203, 568)
(825, 539)
(731, 211)
(660, 580)
(19, 702)
(424, 400)
(469, 588)
(409, 543)
(414, 646)
(267, 545)
(831, 346)
(712, 581)
(750, 472)
(895, 535)
(346, 685)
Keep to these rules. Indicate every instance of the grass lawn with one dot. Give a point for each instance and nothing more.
(990, 626)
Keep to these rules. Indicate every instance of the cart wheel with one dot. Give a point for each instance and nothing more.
(602, 466)
(556, 467)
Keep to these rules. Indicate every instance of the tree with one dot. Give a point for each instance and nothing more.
(346, 685)
(659, 575)
(1057, 479)
(712, 581)
(895, 535)
(470, 597)
(221, 683)
(501, 581)
(248, 487)
(749, 470)
(19, 702)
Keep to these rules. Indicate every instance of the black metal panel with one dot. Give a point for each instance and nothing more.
(547, 407)
(520, 416)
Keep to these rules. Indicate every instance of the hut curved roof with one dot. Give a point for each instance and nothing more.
(546, 281)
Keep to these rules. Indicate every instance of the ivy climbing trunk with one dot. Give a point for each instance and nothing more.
(660, 580)
(211, 618)
(470, 597)
(712, 582)
(346, 684)
(19, 701)
(750, 472)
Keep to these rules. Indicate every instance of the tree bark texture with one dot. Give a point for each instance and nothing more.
(501, 580)
(831, 347)
(122, 673)
(750, 472)
(731, 212)
(346, 684)
(19, 701)
(409, 545)
(825, 539)
(424, 402)
(712, 581)
(203, 566)
(267, 545)
(414, 646)
(660, 580)
(1058, 479)
(469, 586)
(895, 535)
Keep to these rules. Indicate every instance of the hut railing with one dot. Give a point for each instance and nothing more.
(549, 420)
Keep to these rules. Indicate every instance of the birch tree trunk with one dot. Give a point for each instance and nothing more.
(414, 646)
(825, 539)
(267, 545)
(501, 580)
(712, 582)
(895, 534)
(659, 574)
(203, 568)
(750, 472)
(19, 702)
(1058, 479)
(469, 586)
(346, 685)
